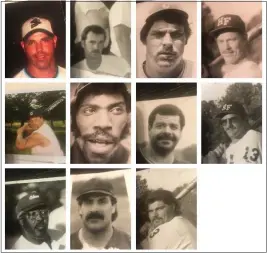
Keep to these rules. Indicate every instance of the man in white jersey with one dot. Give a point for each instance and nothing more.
(96, 64)
(33, 216)
(39, 43)
(168, 230)
(41, 139)
(165, 35)
(246, 144)
(232, 41)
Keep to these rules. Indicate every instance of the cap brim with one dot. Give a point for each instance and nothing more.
(95, 191)
(218, 31)
(37, 30)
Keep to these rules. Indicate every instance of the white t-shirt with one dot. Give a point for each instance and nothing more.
(54, 148)
(60, 74)
(178, 233)
(111, 65)
(247, 150)
(120, 13)
(24, 244)
(244, 69)
(57, 218)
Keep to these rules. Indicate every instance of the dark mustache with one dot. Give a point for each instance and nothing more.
(166, 136)
(40, 53)
(100, 133)
(95, 215)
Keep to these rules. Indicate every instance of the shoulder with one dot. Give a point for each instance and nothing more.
(120, 239)
(61, 72)
(190, 69)
(55, 234)
(75, 242)
(254, 134)
(21, 243)
(20, 74)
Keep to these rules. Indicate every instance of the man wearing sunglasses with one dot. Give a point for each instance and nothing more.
(245, 143)
(33, 216)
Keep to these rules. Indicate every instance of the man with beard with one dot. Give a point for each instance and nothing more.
(165, 35)
(165, 125)
(168, 229)
(39, 44)
(100, 122)
(40, 138)
(97, 207)
(32, 214)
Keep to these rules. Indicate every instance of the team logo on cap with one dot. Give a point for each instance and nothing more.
(224, 21)
(33, 197)
(35, 22)
(226, 107)
(165, 6)
(31, 113)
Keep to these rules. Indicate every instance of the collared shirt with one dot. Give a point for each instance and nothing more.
(121, 155)
(118, 240)
(61, 73)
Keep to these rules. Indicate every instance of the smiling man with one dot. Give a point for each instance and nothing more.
(100, 121)
(165, 125)
(232, 41)
(97, 206)
(39, 43)
(165, 35)
(33, 216)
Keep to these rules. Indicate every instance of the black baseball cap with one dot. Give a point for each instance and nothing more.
(232, 108)
(36, 113)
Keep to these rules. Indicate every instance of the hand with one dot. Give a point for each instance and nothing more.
(22, 129)
(219, 150)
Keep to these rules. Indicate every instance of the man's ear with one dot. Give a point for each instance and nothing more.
(22, 45)
(55, 41)
(82, 43)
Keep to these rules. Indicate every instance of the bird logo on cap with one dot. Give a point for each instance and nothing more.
(35, 22)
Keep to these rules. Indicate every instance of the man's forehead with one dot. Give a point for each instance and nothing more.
(92, 35)
(156, 203)
(230, 116)
(103, 100)
(167, 118)
(228, 35)
(163, 25)
(38, 36)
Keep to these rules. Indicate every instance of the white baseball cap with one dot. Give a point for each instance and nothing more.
(36, 24)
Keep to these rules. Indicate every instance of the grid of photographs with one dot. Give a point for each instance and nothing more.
(133, 126)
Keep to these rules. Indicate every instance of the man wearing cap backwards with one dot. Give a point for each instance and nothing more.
(39, 44)
(167, 229)
(33, 215)
(232, 41)
(165, 35)
(41, 138)
(97, 206)
(93, 35)
(245, 144)
(100, 114)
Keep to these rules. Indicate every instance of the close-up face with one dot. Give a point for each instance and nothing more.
(96, 212)
(101, 121)
(233, 125)
(165, 45)
(93, 45)
(35, 122)
(160, 213)
(165, 133)
(231, 46)
(39, 49)
(37, 221)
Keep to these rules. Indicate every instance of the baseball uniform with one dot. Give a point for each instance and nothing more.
(247, 150)
(111, 65)
(178, 233)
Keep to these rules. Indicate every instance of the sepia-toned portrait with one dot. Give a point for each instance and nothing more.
(232, 39)
(35, 209)
(166, 39)
(100, 209)
(35, 117)
(100, 39)
(166, 123)
(232, 123)
(166, 209)
(35, 39)
(100, 123)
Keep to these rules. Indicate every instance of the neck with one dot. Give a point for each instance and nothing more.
(154, 157)
(38, 240)
(50, 72)
(98, 240)
(94, 63)
(235, 140)
(151, 70)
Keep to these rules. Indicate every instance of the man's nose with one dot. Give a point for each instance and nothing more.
(168, 129)
(39, 46)
(103, 119)
(167, 40)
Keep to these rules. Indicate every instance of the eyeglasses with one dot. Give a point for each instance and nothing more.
(32, 215)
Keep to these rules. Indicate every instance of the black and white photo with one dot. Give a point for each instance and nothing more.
(100, 209)
(100, 39)
(35, 214)
(166, 39)
(100, 123)
(231, 123)
(232, 39)
(166, 123)
(166, 209)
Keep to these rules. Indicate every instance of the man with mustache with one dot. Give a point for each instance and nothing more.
(232, 41)
(168, 229)
(33, 216)
(100, 115)
(97, 207)
(39, 43)
(245, 143)
(165, 125)
(165, 34)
